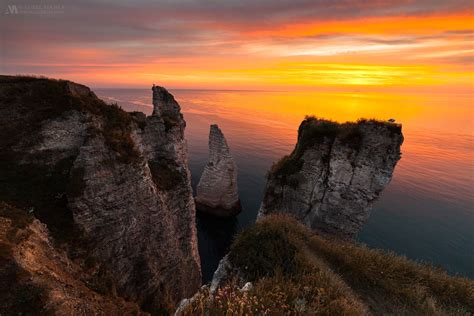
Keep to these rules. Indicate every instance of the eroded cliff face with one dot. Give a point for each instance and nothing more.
(115, 185)
(335, 174)
(217, 191)
(39, 278)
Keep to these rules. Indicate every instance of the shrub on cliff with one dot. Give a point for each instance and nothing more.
(117, 131)
(314, 131)
(47, 99)
(28, 103)
(165, 174)
(262, 250)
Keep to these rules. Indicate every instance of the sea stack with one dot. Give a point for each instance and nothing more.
(335, 174)
(217, 191)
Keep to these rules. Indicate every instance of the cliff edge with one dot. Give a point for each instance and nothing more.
(280, 267)
(335, 174)
(109, 185)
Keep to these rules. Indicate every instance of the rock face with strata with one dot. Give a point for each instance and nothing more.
(114, 186)
(217, 191)
(335, 174)
(40, 279)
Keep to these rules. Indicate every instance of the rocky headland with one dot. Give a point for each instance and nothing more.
(97, 217)
(335, 174)
(217, 191)
(112, 187)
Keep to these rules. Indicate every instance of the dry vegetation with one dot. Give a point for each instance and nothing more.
(44, 98)
(18, 294)
(314, 131)
(36, 100)
(296, 272)
(395, 283)
(37, 279)
(165, 174)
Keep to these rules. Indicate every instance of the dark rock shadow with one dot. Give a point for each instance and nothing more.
(215, 236)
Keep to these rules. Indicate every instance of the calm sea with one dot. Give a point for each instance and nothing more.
(427, 211)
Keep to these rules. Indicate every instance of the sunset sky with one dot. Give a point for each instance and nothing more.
(410, 45)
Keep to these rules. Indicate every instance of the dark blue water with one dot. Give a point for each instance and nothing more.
(427, 211)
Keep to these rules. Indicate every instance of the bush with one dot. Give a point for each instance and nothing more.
(116, 131)
(394, 128)
(165, 174)
(314, 131)
(170, 122)
(273, 244)
(285, 168)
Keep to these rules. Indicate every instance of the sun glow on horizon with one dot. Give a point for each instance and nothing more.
(361, 45)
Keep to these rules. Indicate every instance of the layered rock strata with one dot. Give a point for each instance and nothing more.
(114, 184)
(217, 191)
(335, 174)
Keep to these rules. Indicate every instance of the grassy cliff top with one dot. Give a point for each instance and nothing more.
(26, 102)
(297, 272)
(313, 128)
(314, 131)
(29, 178)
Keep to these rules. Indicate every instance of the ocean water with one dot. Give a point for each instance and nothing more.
(426, 213)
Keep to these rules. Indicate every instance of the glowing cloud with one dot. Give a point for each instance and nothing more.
(295, 44)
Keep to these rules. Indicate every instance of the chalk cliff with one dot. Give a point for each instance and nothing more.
(335, 174)
(217, 191)
(109, 185)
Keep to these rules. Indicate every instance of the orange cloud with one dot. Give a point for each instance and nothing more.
(356, 44)
(413, 25)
